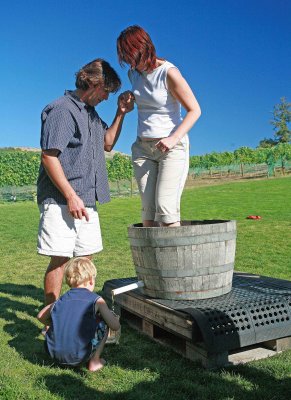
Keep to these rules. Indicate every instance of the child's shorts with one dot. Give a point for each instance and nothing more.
(99, 335)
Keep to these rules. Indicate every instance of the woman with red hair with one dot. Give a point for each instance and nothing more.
(160, 154)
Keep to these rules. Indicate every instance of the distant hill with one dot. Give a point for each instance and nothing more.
(21, 148)
(35, 149)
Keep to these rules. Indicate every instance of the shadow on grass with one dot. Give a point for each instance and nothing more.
(23, 331)
(72, 387)
(22, 290)
(170, 374)
(173, 377)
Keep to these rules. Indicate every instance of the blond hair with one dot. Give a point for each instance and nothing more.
(79, 270)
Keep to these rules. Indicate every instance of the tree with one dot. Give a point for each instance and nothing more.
(282, 117)
(280, 121)
(267, 143)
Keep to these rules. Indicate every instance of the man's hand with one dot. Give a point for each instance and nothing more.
(76, 207)
(125, 102)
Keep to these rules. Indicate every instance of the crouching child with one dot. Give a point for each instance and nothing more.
(79, 320)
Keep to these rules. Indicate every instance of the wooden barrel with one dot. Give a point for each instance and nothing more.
(193, 261)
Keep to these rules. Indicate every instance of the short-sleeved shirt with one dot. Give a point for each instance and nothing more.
(71, 335)
(77, 131)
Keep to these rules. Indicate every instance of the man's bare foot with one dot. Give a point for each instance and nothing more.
(95, 365)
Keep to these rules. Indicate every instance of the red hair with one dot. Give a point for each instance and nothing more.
(135, 47)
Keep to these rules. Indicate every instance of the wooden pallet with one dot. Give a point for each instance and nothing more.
(175, 330)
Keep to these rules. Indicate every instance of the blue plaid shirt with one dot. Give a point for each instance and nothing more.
(77, 131)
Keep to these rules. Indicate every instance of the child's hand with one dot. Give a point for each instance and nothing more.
(111, 319)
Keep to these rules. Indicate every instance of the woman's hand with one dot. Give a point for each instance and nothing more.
(167, 143)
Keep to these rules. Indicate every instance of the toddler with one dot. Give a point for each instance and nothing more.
(78, 321)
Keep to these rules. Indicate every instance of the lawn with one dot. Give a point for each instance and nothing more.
(138, 368)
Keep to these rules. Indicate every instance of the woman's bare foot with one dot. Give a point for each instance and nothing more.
(95, 365)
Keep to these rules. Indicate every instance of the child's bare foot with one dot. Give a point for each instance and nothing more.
(44, 330)
(95, 365)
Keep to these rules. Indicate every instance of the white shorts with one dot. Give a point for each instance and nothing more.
(62, 235)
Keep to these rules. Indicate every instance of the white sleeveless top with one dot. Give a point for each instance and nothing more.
(159, 113)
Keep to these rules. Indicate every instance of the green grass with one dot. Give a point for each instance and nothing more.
(139, 368)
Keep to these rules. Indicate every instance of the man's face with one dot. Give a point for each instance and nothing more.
(96, 94)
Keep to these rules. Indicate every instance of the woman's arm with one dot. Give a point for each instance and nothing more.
(180, 89)
(109, 317)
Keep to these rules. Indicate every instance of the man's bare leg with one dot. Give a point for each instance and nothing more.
(53, 278)
(53, 282)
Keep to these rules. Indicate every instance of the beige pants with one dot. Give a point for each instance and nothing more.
(161, 178)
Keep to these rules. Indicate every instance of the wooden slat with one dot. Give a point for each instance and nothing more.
(279, 345)
(177, 323)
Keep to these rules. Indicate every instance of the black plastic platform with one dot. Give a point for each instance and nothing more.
(256, 310)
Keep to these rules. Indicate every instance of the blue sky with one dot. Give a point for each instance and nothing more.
(235, 54)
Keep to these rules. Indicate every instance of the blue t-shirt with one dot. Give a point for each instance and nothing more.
(75, 327)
